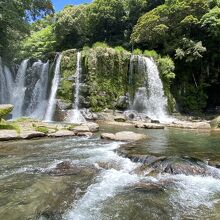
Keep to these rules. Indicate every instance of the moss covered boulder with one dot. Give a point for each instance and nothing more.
(215, 123)
(5, 110)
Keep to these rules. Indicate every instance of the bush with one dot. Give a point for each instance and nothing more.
(120, 49)
(100, 44)
(137, 51)
(151, 53)
(42, 129)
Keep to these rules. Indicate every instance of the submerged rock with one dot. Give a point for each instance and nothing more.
(172, 165)
(67, 168)
(124, 136)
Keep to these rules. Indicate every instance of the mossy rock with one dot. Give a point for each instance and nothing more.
(68, 69)
(215, 123)
(5, 110)
(10, 126)
(42, 129)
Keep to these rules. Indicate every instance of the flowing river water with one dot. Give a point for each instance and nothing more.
(101, 184)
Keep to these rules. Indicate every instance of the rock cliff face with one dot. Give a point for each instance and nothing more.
(106, 78)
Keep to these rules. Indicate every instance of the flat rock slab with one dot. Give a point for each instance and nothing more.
(62, 133)
(31, 134)
(8, 135)
(149, 125)
(190, 125)
(124, 136)
(81, 128)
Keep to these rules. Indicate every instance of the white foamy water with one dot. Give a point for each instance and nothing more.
(109, 183)
(55, 83)
(150, 98)
(74, 115)
(193, 195)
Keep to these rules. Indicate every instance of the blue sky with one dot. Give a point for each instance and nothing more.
(59, 4)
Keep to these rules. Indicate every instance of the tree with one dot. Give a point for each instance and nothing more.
(39, 43)
(107, 21)
(72, 27)
(14, 17)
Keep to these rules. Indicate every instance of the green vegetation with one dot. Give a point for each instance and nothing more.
(14, 21)
(5, 110)
(10, 126)
(42, 129)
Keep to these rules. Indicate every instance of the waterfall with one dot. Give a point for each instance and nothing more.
(9, 83)
(55, 83)
(38, 102)
(150, 98)
(3, 95)
(18, 92)
(75, 115)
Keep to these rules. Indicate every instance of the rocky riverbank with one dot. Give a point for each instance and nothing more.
(26, 128)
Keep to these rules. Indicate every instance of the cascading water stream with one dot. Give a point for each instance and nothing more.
(75, 115)
(3, 96)
(55, 83)
(18, 93)
(38, 103)
(150, 98)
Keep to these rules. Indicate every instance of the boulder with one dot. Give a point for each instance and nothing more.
(148, 186)
(124, 136)
(5, 110)
(108, 136)
(190, 125)
(93, 127)
(215, 123)
(149, 125)
(31, 134)
(120, 118)
(84, 134)
(7, 135)
(122, 102)
(81, 128)
(62, 105)
(65, 168)
(62, 133)
(129, 136)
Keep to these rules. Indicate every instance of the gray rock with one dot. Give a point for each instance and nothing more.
(120, 118)
(215, 123)
(62, 133)
(7, 135)
(108, 136)
(124, 136)
(81, 128)
(63, 105)
(149, 125)
(93, 127)
(122, 102)
(31, 134)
